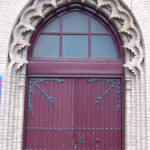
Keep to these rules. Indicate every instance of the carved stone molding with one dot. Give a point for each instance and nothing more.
(114, 9)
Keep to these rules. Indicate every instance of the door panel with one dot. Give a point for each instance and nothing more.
(97, 114)
(74, 114)
(50, 119)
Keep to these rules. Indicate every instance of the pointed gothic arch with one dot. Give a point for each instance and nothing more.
(130, 33)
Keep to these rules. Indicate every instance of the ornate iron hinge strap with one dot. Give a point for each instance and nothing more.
(114, 83)
(106, 92)
(34, 82)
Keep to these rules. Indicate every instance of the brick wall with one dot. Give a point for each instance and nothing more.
(141, 10)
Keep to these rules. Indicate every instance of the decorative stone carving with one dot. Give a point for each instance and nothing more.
(115, 11)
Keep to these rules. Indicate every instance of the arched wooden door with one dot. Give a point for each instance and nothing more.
(74, 96)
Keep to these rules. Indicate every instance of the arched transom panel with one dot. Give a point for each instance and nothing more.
(75, 35)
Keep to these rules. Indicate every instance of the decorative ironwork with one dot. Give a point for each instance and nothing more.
(72, 129)
(114, 83)
(34, 82)
(106, 92)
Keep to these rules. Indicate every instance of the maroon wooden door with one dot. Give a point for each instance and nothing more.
(73, 114)
(98, 114)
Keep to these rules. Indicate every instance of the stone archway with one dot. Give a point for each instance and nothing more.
(129, 31)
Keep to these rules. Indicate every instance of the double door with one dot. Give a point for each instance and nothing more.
(73, 114)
